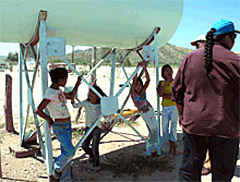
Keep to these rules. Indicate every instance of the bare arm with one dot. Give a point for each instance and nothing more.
(42, 114)
(161, 89)
(146, 84)
(133, 84)
(72, 94)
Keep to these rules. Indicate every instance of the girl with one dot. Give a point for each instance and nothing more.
(170, 112)
(92, 113)
(59, 118)
(138, 95)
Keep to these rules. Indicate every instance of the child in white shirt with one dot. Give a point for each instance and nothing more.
(92, 113)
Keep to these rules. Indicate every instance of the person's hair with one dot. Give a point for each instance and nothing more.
(220, 38)
(99, 91)
(57, 74)
(163, 69)
(210, 41)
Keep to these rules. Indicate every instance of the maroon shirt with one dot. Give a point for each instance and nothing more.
(210, 106)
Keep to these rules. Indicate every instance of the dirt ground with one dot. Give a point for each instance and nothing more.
(122, 158)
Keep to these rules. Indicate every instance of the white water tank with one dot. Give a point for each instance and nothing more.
(103, 23)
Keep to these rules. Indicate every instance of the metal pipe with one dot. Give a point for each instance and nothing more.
(88, 132)
(44, 73)
(34, 113)
(113, 68)
(83, 79)
(121, 117)
(127, 82)
(158, 103)
(20, 93)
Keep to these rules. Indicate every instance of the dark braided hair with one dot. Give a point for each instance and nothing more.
(208, 52)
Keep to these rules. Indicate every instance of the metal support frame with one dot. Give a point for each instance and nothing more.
(30, 95)
(160, 140)
(113, 69)
(20, 58)
(91, 87)
(33, 109)
(42, 36)
(44, 74)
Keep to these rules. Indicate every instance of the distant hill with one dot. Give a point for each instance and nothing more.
(167, 54)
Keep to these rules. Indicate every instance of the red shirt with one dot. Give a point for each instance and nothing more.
(210, 106)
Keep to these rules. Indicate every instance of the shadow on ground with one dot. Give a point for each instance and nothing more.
(129, 164)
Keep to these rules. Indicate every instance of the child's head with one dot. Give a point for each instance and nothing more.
(59, 76)
(139, 85)
(93, 97)
(167, 71)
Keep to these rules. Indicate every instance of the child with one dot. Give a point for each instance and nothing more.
(54, 101)
(170, 112)
(92, 113)
(138, 95)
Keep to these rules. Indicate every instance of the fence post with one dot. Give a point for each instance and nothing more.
(8, 105)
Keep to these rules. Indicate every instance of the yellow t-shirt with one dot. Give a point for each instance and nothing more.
(168, 90)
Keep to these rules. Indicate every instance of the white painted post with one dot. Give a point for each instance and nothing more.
(20, 59)
(113, 68)
(44, 75)
(158, 103)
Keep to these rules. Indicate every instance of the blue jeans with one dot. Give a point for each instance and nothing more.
(223, 156)
(94, 151)
(170, 114)
(63, 132)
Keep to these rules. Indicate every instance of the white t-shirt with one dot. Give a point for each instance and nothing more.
(57, 107)
(92, 112)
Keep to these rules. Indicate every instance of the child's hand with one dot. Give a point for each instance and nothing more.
(95, 81)
(72, 101)
(79, 79)
(140, 64)
(50, 122)
(168, 79)
(180, 118)
(144, 65)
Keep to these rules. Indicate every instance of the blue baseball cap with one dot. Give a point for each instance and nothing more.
(224, 26)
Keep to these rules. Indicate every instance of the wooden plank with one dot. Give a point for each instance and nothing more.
(21, 152)
(8, 104)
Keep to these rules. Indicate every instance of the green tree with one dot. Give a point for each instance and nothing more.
(12, 57)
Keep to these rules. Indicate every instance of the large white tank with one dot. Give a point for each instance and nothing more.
(103, 23)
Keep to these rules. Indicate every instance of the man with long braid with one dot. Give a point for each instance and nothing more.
(206, 90)
(199, 43)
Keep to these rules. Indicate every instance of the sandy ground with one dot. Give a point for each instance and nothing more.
(121, 144)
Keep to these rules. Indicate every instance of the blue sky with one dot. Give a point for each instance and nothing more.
(197, 18)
